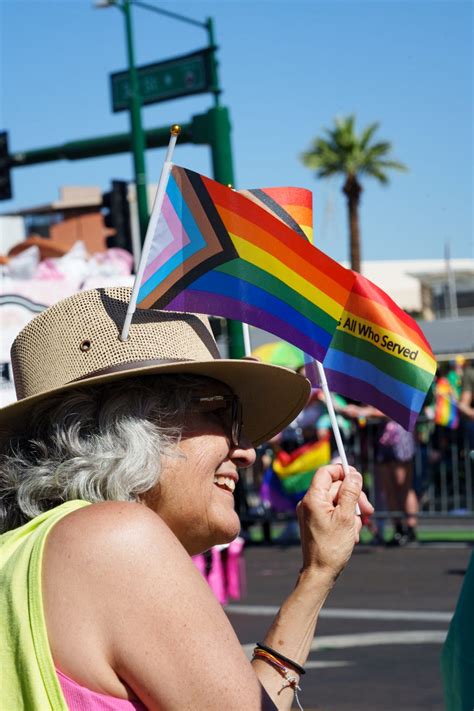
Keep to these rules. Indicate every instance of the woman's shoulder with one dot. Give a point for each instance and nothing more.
(108, 513)
(108, 527)
(105, 553)
(108, 545)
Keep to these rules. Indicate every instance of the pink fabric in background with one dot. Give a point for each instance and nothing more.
(216, 577)
(236, 581)
(226, 576)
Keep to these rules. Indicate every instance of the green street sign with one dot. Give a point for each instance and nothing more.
(179, 76)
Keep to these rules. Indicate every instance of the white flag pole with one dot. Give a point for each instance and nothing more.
(332, 415)
(150, 232)
(246, 337)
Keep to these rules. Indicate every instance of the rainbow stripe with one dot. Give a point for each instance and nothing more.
(379, 355)
(287, 480)
(218, 252)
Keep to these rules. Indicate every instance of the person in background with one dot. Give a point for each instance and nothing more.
(118, 463)
(447, 393)
(455, 374)
(466, 404)
(396, 452)
(426, 456)
(445, 412)
(345, 417)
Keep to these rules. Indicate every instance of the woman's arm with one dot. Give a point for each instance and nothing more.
(329, 529)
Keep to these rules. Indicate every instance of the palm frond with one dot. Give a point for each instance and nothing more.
(342, 151)
(394, 165)
(375, 172)
(379, 149)
(367, 134)
(327, 172)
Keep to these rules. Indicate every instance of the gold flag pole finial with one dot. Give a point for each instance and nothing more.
(175, 129)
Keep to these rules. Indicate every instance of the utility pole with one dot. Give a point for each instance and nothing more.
(138, 139)
(451, 301)
(219, 135)
(136, 128)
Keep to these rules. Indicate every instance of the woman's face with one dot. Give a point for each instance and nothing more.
(194, 495)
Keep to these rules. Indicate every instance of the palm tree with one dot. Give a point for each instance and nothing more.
(343, 152)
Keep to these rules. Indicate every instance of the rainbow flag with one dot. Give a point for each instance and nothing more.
(293, 206)
(287, 480)
(379, 355)
(446, 408)
(246, 256)
(218, 252)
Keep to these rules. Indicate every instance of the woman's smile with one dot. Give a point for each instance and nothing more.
(224, 482)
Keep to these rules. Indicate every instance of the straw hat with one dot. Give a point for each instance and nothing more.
(76, 343)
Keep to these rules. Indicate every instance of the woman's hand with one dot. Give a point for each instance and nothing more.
(327, 518)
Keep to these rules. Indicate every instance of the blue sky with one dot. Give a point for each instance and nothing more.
(287, 69)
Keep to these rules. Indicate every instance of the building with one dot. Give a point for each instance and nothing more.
(427, 289)
(75, 216)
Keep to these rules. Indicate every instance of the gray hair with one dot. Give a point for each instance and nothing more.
(103, 443)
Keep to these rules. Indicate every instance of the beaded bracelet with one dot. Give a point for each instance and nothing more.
(291, 681)
(278, 655)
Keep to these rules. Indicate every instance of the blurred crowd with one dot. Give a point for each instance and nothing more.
(398, 466)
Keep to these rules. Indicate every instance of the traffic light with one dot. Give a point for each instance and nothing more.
(117, 215)
(5, 179)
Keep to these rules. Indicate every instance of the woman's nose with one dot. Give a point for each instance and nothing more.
(244, 453)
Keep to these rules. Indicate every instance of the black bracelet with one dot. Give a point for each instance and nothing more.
(278, 655)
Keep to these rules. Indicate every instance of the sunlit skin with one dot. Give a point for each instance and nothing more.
(198, 511)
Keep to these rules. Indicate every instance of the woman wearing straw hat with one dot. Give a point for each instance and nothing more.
(118, 463)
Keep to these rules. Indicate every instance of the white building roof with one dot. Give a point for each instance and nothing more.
(402, 279)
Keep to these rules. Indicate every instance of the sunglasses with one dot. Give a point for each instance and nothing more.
(227, 408)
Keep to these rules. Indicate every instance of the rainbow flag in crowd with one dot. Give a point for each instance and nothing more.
(446, 409)
(379, 355)
(287, 480)
(219, 252)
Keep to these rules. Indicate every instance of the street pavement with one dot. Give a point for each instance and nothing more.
(379, 637)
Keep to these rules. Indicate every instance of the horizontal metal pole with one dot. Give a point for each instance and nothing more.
(168, 13)
(101, 146)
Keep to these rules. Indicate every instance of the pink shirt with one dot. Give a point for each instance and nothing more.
(78, 698)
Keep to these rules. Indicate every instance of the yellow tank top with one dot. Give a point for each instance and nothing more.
(28, 677)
